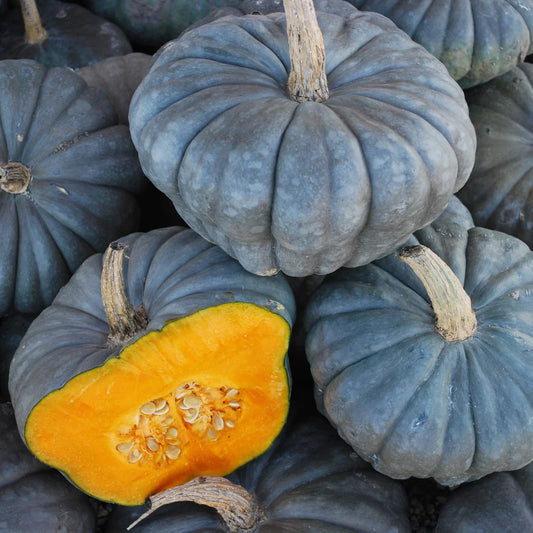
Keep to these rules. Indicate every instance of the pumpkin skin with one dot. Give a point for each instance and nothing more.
(499, 502)
(219, 326)
(408, 401)
(307, 481)
(33, 495)
(151, 23)
(477, 40)
(85, 178)
(76, 37)
(118, 77)
(499, 192)
(385, 161)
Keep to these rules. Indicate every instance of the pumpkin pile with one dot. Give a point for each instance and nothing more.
(237, 270)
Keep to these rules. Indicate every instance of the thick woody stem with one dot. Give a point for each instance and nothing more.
(238, 508)
(34, 31)
(455, 318)
(124, 321)
(307, 79)
(14, 177)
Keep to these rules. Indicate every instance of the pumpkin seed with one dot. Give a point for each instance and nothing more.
(148, 408)
(134, 456)
(218, 422)
(163, 410)
(171, 433)
(232, 393)
(230, 423)
(152, 444)
(193, 416)
(212, 434)
(124, 447)
(191, 401)
(172, 452)
(234, 404)
(159, 403)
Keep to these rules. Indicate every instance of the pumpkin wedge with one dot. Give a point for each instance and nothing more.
(177, 370)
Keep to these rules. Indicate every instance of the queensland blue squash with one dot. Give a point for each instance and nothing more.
(220, 134)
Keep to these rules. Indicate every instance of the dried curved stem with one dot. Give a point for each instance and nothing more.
(307, 79)
(34, 31)
(238, 508)
(455, 318)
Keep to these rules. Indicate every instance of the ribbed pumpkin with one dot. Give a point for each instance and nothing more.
(178, 369)
(59, 34)
(477, 40)
(500, 502)
(69, 180)
(434, 379)
(34, 497)
(499, 192)
(303, 187)
(309, 480)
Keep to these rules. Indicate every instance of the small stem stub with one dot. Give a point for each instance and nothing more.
(307, 79)
(15, 177)
(34, 31)
(238, 508)
(124, 320)
(454, 317)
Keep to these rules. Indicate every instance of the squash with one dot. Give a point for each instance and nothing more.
(309, 480)
(69, 180)
(218, 133)
(118, 77)
(59, 34)
(499, 502)
(178, 369)
(499, 192)
(12, 329)
(151, 23)
(477, 40)
(430, 377)
(33, 496)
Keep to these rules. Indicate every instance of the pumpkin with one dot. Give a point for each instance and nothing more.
(309, 480)
(499, 502)
(12, 329)
(218, 133)
(477, 40)
(33, 496)
(178, 369)
(151, 23)
(59, 34)
(118, 77)
(430, 374)
(499, 191)
(69, 180)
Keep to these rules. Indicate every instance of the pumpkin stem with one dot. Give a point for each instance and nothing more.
(239, 509)
(307, 79)
(14, 177)
(124, 321)
(455, 318)
(34, 31)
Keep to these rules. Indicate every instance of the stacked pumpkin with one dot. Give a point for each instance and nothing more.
(318, 154)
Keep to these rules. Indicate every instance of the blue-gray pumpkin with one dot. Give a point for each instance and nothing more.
(426, 386)
(308, 481)
(69, 180)
(499, 192)
(477, 40)
(302, 187)
(145, 373)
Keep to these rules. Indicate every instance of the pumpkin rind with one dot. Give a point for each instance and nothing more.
(477, 40)
(405, 399)
(499, 193)
(33, 495)
(307, 481)
(178, 278)
(385, 160)
(85, 178)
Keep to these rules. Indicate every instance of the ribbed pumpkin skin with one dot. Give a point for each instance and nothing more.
(76, 37)
(499, 502)
(151, 23)
(86, 176)
(172, 272)
(477, 40)
(405, 399)
(499, 192)
(308, 481)
(303, 188)
(33, 496)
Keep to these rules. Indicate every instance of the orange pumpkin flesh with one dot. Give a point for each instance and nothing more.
(202, 396)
